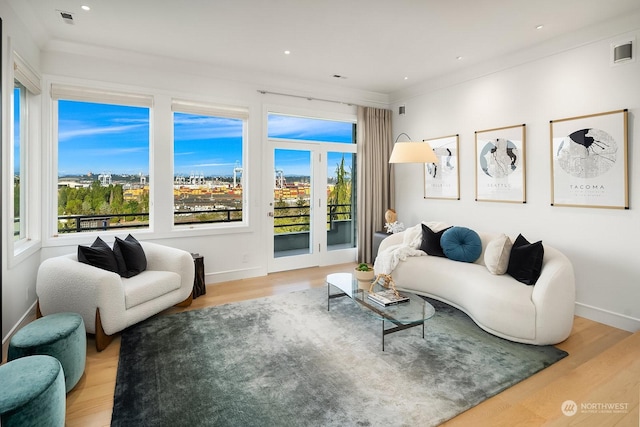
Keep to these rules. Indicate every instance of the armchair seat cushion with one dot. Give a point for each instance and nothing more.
(137, 290)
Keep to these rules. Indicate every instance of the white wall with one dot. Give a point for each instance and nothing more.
(601, 243)
(18, 272)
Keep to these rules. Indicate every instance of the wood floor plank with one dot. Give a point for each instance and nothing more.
(603, 365)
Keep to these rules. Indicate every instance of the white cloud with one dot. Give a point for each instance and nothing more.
(76, 132)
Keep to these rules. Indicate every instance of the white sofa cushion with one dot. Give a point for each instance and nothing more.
(148, 286)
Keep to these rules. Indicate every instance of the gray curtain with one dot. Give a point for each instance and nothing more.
(375, 192)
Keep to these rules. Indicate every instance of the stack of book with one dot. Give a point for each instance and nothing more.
(387, 297)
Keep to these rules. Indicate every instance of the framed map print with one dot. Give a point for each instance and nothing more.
(589, 161)
(500, 165)
(442, 179)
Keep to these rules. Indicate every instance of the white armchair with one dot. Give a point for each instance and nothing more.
(109, 303)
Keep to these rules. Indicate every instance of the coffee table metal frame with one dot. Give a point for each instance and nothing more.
(403, 315)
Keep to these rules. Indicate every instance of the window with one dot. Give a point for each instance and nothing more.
(19, 133)
(103, 160)
(26, 87)
(311, 129)
(209, 173)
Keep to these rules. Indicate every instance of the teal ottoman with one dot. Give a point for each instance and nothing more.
(32, 392)
(61, 335)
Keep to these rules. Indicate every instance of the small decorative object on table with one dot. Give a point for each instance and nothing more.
(364, 273)
(392, 225)
(390, 216)
(387, 297)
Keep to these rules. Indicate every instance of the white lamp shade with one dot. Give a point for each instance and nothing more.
(412, 152)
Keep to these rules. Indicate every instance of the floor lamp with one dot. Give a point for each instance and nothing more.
(408, 152)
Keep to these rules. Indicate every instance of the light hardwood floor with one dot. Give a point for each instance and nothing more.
(603, 367)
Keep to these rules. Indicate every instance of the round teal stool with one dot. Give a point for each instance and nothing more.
(32, 392)
(61, 335)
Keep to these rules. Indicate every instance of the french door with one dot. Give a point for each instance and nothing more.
(311, 212)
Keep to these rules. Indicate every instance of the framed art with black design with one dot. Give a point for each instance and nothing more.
(500, 164)
(589, 161)
(442, 179)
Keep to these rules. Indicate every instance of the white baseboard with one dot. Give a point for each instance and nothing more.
(607, 317)
(20, 323)
(225, 276)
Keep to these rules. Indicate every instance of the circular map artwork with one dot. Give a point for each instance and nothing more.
(499, 158)
(587, 153)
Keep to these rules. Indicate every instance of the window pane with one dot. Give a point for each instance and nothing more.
(19, 96)
(208, 181)
(103, 166)
(341, 201)
(308, 129)
(292, 202)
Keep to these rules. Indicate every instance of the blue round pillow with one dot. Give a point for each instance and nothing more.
(461, 244)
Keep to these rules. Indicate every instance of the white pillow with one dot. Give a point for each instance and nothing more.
(496, 255)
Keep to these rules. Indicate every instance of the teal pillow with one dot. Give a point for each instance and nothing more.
(461, 244)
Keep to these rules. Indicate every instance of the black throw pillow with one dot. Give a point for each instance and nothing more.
(99, 254)
(525, 261)
(129, 256)
(431, 241)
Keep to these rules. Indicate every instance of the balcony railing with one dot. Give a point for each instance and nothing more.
(84, 223)
(304, 216)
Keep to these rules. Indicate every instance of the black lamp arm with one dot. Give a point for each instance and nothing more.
(398, 137)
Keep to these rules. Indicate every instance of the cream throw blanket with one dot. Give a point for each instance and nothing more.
(389, 258)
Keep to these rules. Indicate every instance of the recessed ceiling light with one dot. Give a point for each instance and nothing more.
(406, 78)
(85, 7)
(459, 58)
(539, 27)
(287, 52)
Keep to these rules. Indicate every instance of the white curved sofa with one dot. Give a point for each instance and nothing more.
(540, 314)
(109, 303)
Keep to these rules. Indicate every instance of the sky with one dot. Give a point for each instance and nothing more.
(104, 138)
(16, 131)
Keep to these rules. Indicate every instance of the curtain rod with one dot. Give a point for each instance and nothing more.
(308, 98)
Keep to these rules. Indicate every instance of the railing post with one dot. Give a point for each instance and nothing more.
(78, 229)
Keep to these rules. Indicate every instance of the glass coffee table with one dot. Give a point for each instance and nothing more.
(403, 315)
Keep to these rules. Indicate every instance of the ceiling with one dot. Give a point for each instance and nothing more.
(375, 45)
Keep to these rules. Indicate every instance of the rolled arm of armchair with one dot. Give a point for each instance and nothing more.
(64, 284)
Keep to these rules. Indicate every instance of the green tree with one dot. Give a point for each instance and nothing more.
(340, 197)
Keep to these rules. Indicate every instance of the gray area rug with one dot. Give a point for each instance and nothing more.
(286, 361)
